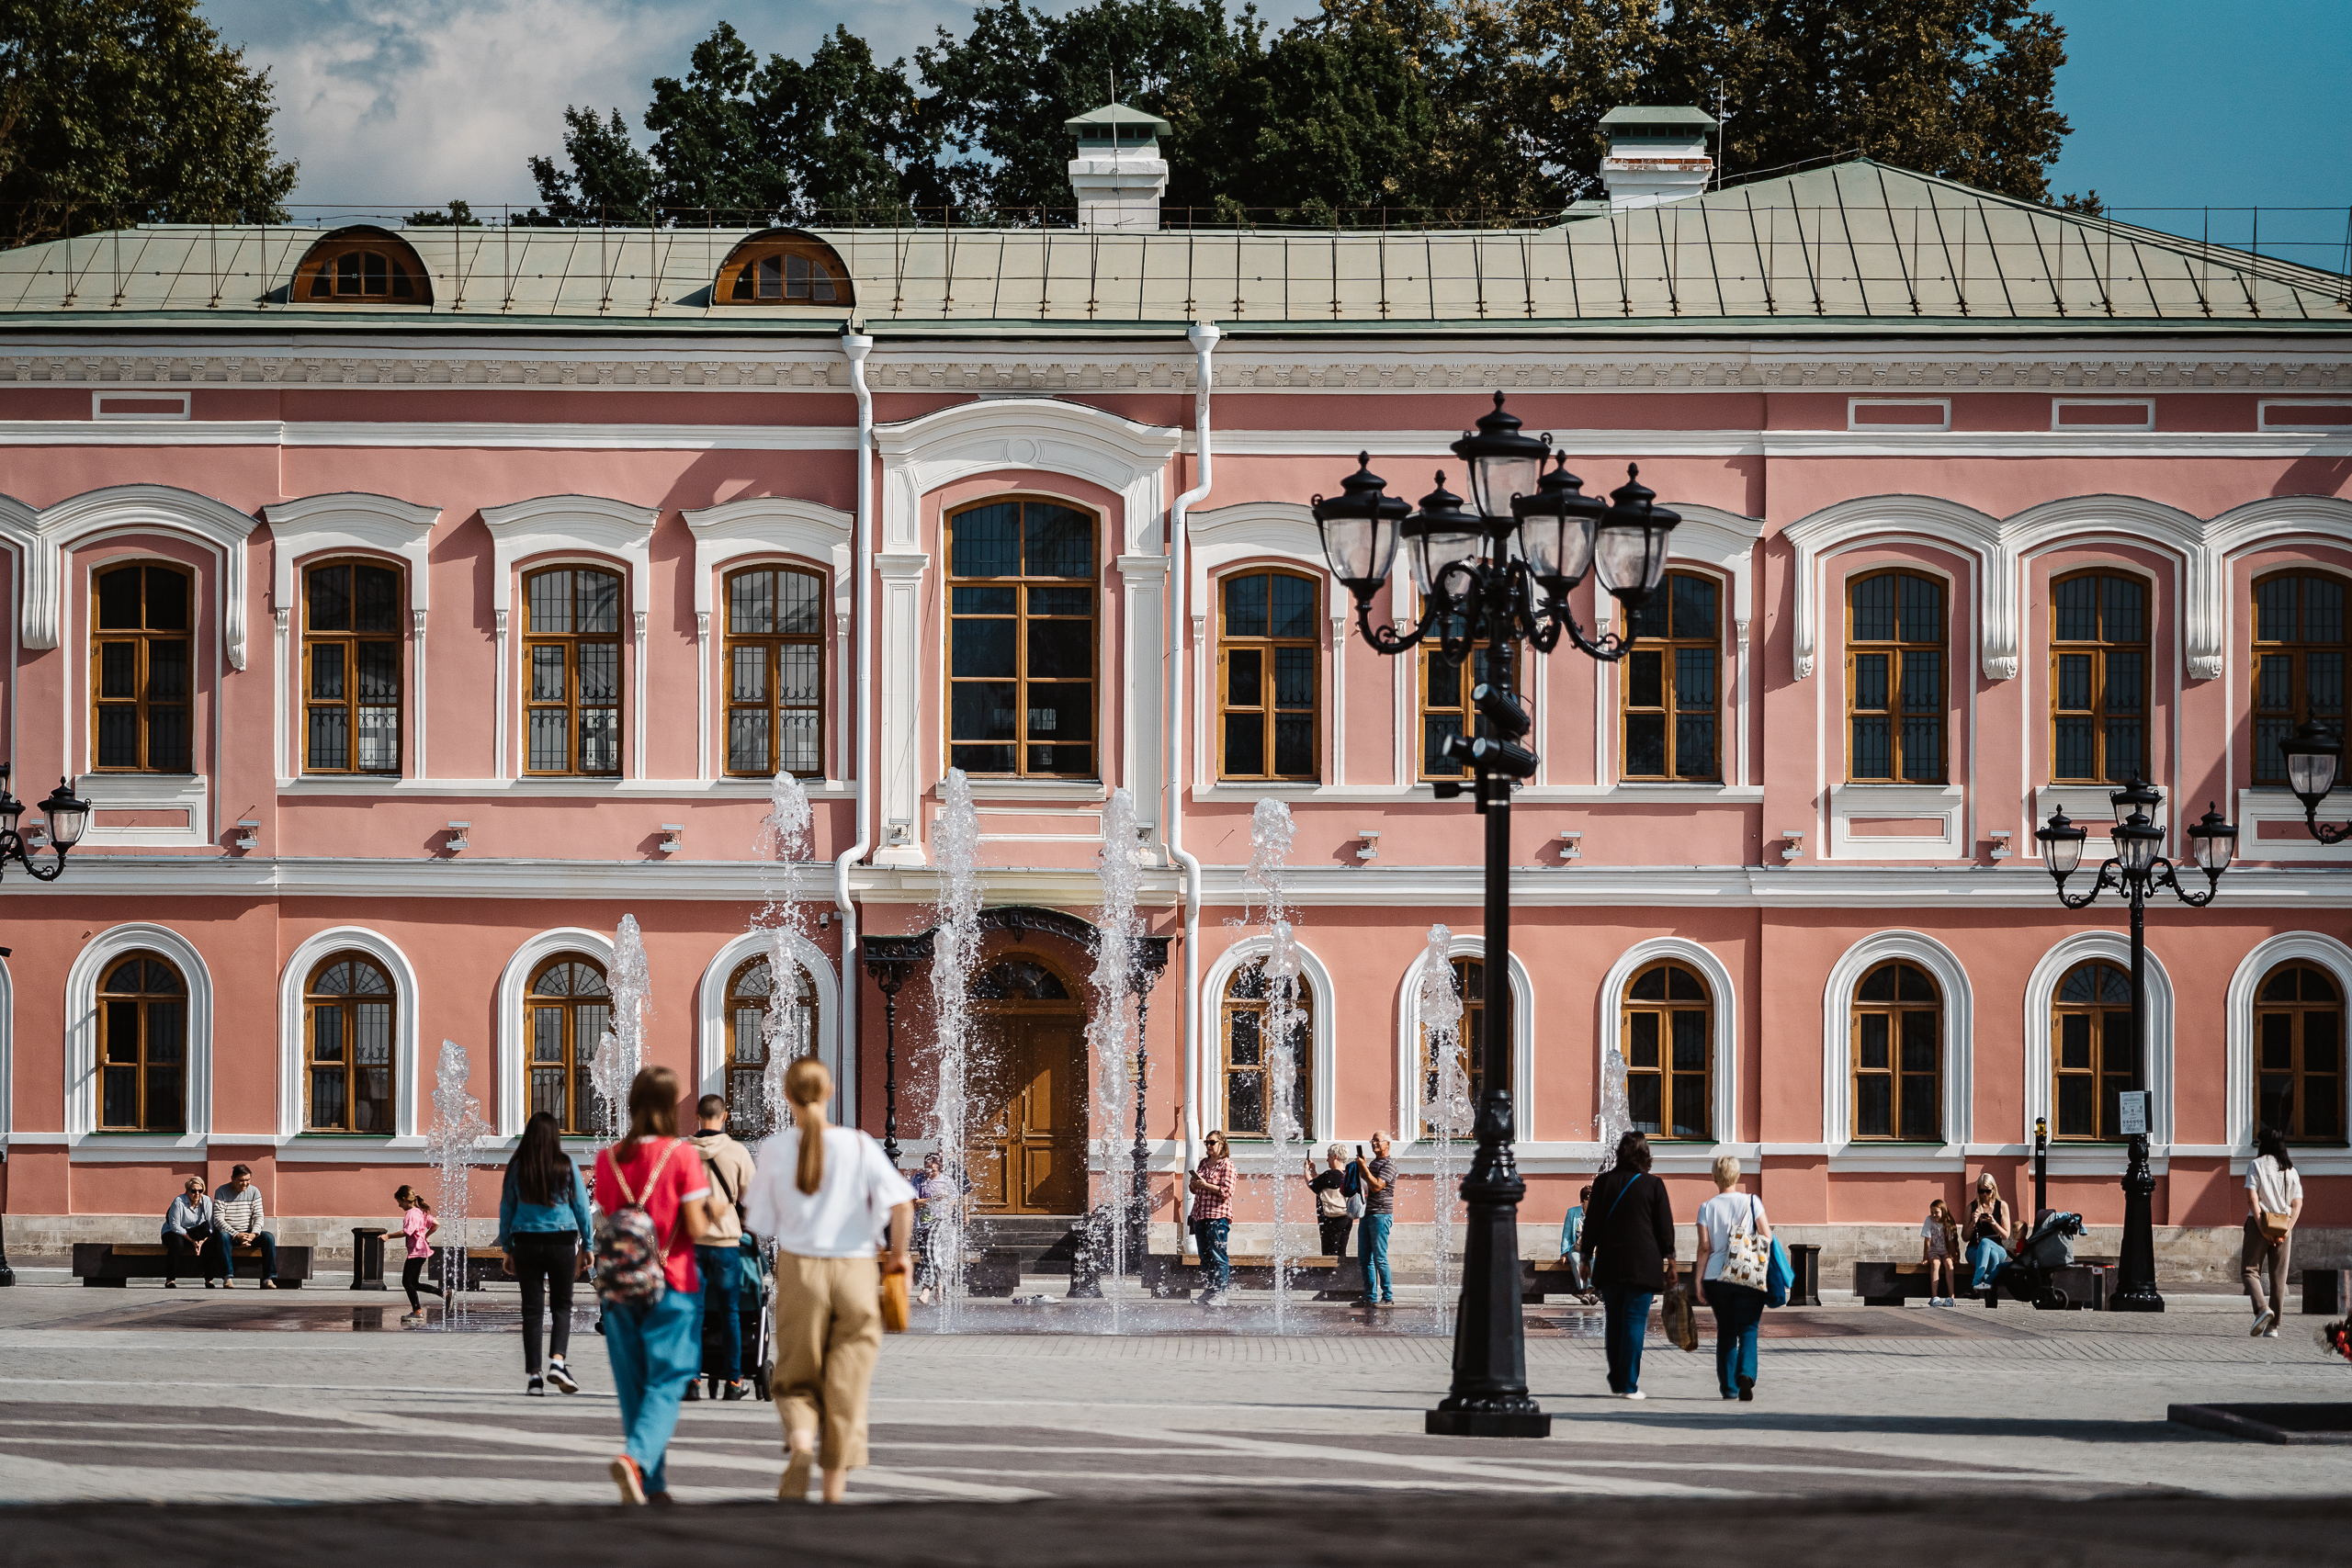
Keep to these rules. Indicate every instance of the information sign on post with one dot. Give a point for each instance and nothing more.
(2132, 1110)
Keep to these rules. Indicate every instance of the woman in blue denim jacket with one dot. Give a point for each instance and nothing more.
(543, 1229)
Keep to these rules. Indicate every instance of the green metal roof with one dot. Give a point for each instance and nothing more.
(1675, 114)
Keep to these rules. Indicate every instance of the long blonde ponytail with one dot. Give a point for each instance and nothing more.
(807, 1085)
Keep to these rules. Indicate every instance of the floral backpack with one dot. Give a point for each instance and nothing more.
(629, 1250)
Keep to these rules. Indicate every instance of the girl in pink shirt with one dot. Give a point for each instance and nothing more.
(417, 1224)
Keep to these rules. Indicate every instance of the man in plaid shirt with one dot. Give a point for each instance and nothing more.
(1212, 1186)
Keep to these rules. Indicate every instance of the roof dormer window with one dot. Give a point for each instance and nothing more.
(783, 267)
(785, 278)
(362, 267)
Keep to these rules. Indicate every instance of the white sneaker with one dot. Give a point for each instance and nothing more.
(1636, 1393)
(2271, 1334)
(2264, 1325)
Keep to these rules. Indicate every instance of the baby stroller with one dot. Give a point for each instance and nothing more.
(2029, 1276)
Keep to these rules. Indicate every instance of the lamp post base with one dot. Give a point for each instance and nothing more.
(2136, 1264)
(1488, 1418)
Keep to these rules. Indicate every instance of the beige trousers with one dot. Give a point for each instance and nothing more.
(828, 1331)
(2265, 1262)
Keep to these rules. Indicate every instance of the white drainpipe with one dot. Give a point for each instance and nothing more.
(1204, 336)
(856, 345)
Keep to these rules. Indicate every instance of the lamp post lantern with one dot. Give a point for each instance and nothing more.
(2136, 869)
(2314, 756)
(1495, 573)
(64, 818)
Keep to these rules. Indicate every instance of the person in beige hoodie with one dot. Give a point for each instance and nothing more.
(719, 1253)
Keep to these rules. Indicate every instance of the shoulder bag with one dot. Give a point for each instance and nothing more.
(1784, 1276)
(1748, 1256)
(1674, 1317)
(2276, 1226)
(1353, 1188)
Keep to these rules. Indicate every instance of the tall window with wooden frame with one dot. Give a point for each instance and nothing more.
(572, 647)
(1249, 1066)
(2299, 1054)
(1469, 1043)
(750, 996)
(1895, 679)
(567, 1012)
(1022, 638)
(1669, 1024)
(1267, 656)
(775, 673)
(347, 1047)
(1897, 1046)
(2090, 1054)
(2098, 679)
(1446, 709)
(140, 670)
(351, 668)
(2299, 648)
(142, 1046)
(1672, 683)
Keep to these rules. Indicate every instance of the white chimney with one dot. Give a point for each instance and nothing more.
(1118, 175)
(1655, 155)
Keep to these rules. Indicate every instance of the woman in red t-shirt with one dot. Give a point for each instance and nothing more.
(655, 1348)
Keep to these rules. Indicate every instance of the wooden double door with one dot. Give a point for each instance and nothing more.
(1028, 1109)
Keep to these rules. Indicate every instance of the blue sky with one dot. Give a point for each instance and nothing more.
(2176, 103)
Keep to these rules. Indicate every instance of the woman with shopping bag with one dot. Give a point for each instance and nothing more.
(1734, 1274)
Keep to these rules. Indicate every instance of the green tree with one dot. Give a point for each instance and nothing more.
(456, 215)
(609, 181)
(116, 112)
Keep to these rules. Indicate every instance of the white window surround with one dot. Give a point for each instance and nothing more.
(1723, 1065)
(2237, 1100)
(710, 1014)
(347, 523)
(738, 531)
(42, 540)
(1406, 1133)
(1837, 1054)
(513, 987)
(1209, 1094)
(1001, 434)
(1227, 541)
(2041, 991)
(293, 983)
(1852, 803)
(82, 980)
(558, 530)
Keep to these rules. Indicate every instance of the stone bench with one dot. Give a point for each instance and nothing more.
(2086, 1283)
(116, 1264)
(483, 1264)
(1537, 1280)
(1334, 1278)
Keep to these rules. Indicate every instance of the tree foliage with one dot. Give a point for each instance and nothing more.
(117, 112)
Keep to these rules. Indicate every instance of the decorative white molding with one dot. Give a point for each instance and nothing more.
(1222, 539)
(764, 525)
(1852, 803)
(1879, 519)
(710, 1018)
(1143, 581)
(1045, 435)
(2237, 1098)
(1324, 1004)
(514, 1035)
(190, 792)
(2040, 992)
(1959, 1042)
(134, 508)
(293, 980)
(82, 979)
(1723, 1008)
(1406, 1133)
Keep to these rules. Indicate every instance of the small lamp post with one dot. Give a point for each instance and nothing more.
(64, 818)
(2314, 756)
(2136, 869)
(1496, 572)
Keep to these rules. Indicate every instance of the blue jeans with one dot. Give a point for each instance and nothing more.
(722, 1273)
(1986, 1256)
(1626, 1324)
(654, 1351)
(1737, 1310)
(1215, 1262)
(1372, 1246)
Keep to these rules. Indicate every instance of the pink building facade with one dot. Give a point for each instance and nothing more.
(407, 639)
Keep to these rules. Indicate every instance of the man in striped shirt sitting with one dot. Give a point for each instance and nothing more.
(237, 1217)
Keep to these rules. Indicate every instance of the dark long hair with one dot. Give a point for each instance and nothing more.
(1633, 1151)
(542, 1170)
(2270, 1141)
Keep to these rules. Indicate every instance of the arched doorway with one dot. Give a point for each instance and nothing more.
(1028, 1091)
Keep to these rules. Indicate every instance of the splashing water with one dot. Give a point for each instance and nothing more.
(955, 955)
(1271, 833)
(1446, 1109)
(621, 1051)
(1616, 1118)
(457, 1130)
(1110, 1034)
(784, 845)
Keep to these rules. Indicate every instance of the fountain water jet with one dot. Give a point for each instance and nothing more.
(1616, 1117)
(621, 1051)
(1110, 1032)
(784, 846)
(457, 1130)
(955, 955)
(1271, 833)
(1446, 1109)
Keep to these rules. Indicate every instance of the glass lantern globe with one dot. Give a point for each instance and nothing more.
(1503, 462)
(1556, 529)
(68, 817)
(2138, 842)
(2314, 755)
(1630, 542)
(1440, 537)
(2213, 842)
(1359, 529)
(2061, 844)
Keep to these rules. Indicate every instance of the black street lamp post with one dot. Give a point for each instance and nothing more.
(1497, 575)
(64, 820)
(2315, 755)
(2135, 870)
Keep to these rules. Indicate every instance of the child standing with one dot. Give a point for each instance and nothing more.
(1939, 1241)
(417, 1224)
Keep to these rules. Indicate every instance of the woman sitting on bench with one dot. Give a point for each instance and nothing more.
(189, 1230)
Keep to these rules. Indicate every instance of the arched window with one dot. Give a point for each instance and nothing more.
(1021, 634)
(362, 267)
(776, 669)
(1469, 1042)
(2098, 678)
(143, 1047)
(1249, 1060)
(2091, 1063)
(139, 663)
(351, 668)
(2299, 1054)
(784, 269)
(347, 1033)
(569, 1009)
(750, 994)
(1894, 678)
(572, 643)
(2299, 649)
(1671, 685)
(1898, 1054)
(1669, 1036)
(1446, 710)
(1267, 677)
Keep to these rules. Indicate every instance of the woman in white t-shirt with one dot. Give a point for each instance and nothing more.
(2272, 1189)
(1738, 1308)
(822, 1194)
